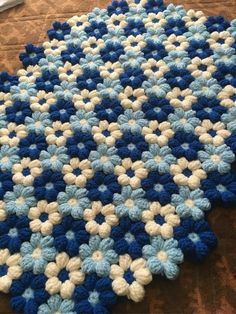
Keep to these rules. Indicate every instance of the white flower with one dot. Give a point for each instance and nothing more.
(132, 98)
(42, 101)
(202, 67)
(111, 70)
(54, 47)
(134, 43)
(86, 100)
(25, 171)
(77, 172)
(92, 45)
(181, 98)
(176, 43)
(154, 68)
(227, 96)
(58, 133)
(69, 72)
(106, 133)
(158, 133)
(12, 134)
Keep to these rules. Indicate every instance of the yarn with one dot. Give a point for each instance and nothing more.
(116, 138)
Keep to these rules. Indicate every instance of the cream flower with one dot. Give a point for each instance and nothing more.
(25, 171)
(77, 172)
(12, 134)
(227, 96)
(160, 220)
(106, 133)
(129, 277)
(154, 68)
(140, 3)
(155, 20)
(111, 70)
(176, 43)
(92, 45)
(202, 67)
(134, 43)
(78, 23)
(86, 100)
(3, 214)
(54, 47)
(42, 101)
(64, 274)
(132, 98)
(43, 217)
(220, 40)
(188, 173)
(181, 98)
(212, 133)
(29, 75)
(157, 133)
(100, 219)
(58, 133)
(69, 72)
(5, 101)
(117, 21)
(131, 173)
(194, 18)
(11, 265)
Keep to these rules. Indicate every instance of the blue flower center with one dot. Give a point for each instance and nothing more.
(69, 72)
(176, 44)
(155, 20)
(70, 235)
(158, 187)
(154, 68)
(134, 44)
(43, 217)
(86, 100)
(221, 188)
(202, 67)
(58, 133)
(93, 297)
(1, 102)
(233, 97)
(106, 133)
(194, 237)
(129, 237)
(42, 101)
(159, 219)
(181, 98)
(132, 98)
(26, 171)
(3, 270)
(93, 46)
(76, 171)
(102, 188)
(63, 275)
(13, 232)
(221, 41)
(185, 145)
(80, 145)
(99, 218)
(29, 74)
(49, 185)
(187, 172)
(28, 294)
(116, 23)
(129, 277)
(12, 134)
(157, 132)
(130, 173)
(212, 132)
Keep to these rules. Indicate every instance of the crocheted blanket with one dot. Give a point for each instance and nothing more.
(115, 139)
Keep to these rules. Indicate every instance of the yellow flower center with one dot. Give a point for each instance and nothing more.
(215, 158)
(162, 256)
(97, 256)
(189, 202)
(20, 200)
(72, 201)
(37, 253)
(129, 203)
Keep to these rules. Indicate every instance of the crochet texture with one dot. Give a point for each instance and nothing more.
(116, 138)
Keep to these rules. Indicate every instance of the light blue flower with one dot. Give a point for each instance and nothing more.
(66, 90)
(202, 87)
(175, 12)
(136, 14)
(98, 15)
(56, 304)
(116, 35)
(109, 88)
(8, 156)
(226, 55)
(156, 88)
(163, 256)
(23, 91)
(50, 63)
(73, 201)
(132, 59)
(83, 121)
(54, 157)
(197, 32)
(104, 158)
(132, 121)
(37, 253)
(91, 62)
(19, 200)
(158, 158)
(38, 122)
(157, 35)
(216, 158)
(130, 203)
(97, 256)
(179, 59)
(189, 203)
(229, 119)
(75, 38)
(183, 120)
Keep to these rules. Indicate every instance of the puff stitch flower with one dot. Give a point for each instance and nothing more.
(157, 133)
(25, 171)
(106, 133)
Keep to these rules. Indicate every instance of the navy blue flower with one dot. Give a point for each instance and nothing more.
(111, 52)
(89, 80)
(96, 29)
(157, 109)
(28, 292)
(131, 145)
(48, 185)
(154, 6)
(47, 81)
(219, 187)
(225, 74)
(175, 26)
(80, 145)
(59, 30)
(32, 55)
(6, 183)
(118, 7)
(135, 28)
(195, 238)
(129, 237)
(62, 110)
(159, 187)
(231, 141)
(108, 109)
(32, 145)
(6, 81)
(73, 54)
(178, 78)
(216, 24)
(199, 48)
(102, 187)
(185, 145)
(154, 50)
(18, 112)
(208, 109)
(13, 232)
(95, 296)
(69, 235)
(133, 78)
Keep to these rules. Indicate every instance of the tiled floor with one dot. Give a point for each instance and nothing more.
(206, 288)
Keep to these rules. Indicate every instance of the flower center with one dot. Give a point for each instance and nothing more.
(194, 237)
(20, 200)
(129, 277)
(129, 203)
(215, 158)
(97, 256)
(189, 202)
(72, 201)
(37, 253)
(162, 256)
(63, 275)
